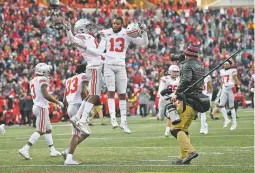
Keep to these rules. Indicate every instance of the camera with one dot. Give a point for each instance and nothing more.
(171, 113)
(178, 57)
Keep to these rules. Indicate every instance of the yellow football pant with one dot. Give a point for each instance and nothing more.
(182, 130)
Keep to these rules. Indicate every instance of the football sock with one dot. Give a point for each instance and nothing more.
(123, 111)
(224, 113)
(33, 138)
(167, 129)
(80, 110)
(111, 105)
(69, 157)
(203, 120)
(48, 138)
(87, 109)
(233, 114)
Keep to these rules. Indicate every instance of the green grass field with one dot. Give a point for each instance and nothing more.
(145, 150)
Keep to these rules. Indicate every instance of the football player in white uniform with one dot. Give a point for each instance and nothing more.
(41, 98)
(75, 93)
(170, 81)
(84, 39)
(208, 89)
(229, 81)
(2, 129)
(115, 42)
(251, 86)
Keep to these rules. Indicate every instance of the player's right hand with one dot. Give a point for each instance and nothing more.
(252, 90)
(61, 104)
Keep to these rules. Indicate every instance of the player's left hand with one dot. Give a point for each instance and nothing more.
(252, 90)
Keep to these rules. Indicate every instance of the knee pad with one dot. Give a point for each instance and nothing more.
(175, 132)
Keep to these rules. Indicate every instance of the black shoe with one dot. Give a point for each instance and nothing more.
(191, 156)
(216, 118)
(179, 162)
(211, 115)
(103, 124)
(90, 124)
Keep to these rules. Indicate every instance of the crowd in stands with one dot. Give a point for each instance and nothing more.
(27, 39)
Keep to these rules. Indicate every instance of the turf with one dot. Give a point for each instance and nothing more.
(145, 150)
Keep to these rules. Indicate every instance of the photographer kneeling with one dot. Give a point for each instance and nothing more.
(191, 71)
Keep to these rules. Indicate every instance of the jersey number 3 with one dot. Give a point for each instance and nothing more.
(72, 86)
(121, 42)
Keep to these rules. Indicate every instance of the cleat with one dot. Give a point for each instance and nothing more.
(125, 128)
(206, 129)
(226, 123)
(71, 162)
(55, 153)
(83, 127)
(190, 156)
(167, 133)
(24, 153)
(233, 127)
(114, 123)
(90, 124)
(179, 162)
(2, 129)
(64, 153)
(103, 124)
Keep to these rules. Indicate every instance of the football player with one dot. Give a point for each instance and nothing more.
(115, 43)
(251, 86)
(170, 81)
(229, 81)
(84, 39)
(207, 90)
(75, 92)
(41, 98)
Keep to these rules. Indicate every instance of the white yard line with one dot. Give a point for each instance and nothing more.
(126, 165)
(124, 137)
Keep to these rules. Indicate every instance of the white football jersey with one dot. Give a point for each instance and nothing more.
(74, 88)
(36, 91)
(206, 80)
(93, 60)
(168, 82)
(117, 44)
(227, 77)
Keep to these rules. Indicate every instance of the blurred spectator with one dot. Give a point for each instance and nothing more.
(144, 99)
(27, 39)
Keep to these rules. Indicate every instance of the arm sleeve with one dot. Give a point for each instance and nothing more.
(185, 79)
(143, 41)
(162, 85)
(100, 49)
(74, 39)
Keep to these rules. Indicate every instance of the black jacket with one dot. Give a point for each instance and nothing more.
(191, 71)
